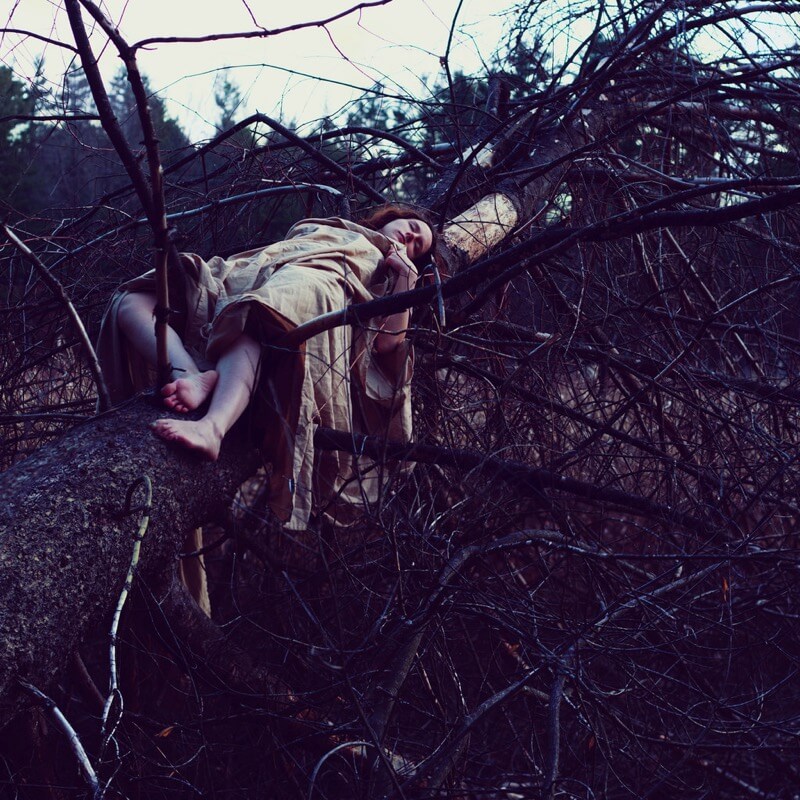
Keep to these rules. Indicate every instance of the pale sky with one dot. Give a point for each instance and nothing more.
(399, 44)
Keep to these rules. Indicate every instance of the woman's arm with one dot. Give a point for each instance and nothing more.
(393, 330)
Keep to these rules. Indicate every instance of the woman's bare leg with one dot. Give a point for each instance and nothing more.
(237, 376)
(190, 387)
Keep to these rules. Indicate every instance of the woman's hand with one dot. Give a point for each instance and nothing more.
(399, 262)
(394, 327)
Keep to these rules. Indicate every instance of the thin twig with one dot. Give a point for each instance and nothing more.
(72, 737)
(61, 294)
(113, 680)
(260, 34)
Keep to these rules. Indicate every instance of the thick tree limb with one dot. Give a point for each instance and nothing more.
(158, 210)
(108, 118)
(65, 540)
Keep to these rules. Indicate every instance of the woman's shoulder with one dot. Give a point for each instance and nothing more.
(339, 230)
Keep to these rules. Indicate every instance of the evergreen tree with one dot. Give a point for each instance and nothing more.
(228, 99)
(16, 100)
(171, 138)
(74, 166)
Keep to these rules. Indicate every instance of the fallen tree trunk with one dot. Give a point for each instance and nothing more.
(66, 536)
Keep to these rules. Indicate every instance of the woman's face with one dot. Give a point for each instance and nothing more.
(413, 233)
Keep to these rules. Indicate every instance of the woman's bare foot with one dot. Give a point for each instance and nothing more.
(201, 436)
(189, 392)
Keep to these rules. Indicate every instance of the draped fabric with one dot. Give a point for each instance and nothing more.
(334, 379)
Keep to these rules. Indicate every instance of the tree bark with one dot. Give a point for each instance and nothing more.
(66, 538)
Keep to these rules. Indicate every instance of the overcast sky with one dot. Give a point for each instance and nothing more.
(399, 44)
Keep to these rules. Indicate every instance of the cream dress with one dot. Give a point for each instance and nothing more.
(333, 379)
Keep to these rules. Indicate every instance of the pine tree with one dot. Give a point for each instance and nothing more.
(171, 138)
(16, 100)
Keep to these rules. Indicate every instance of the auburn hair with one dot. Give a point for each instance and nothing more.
(377, 217)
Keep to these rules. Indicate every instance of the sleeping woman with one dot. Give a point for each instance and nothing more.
(224, 348)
